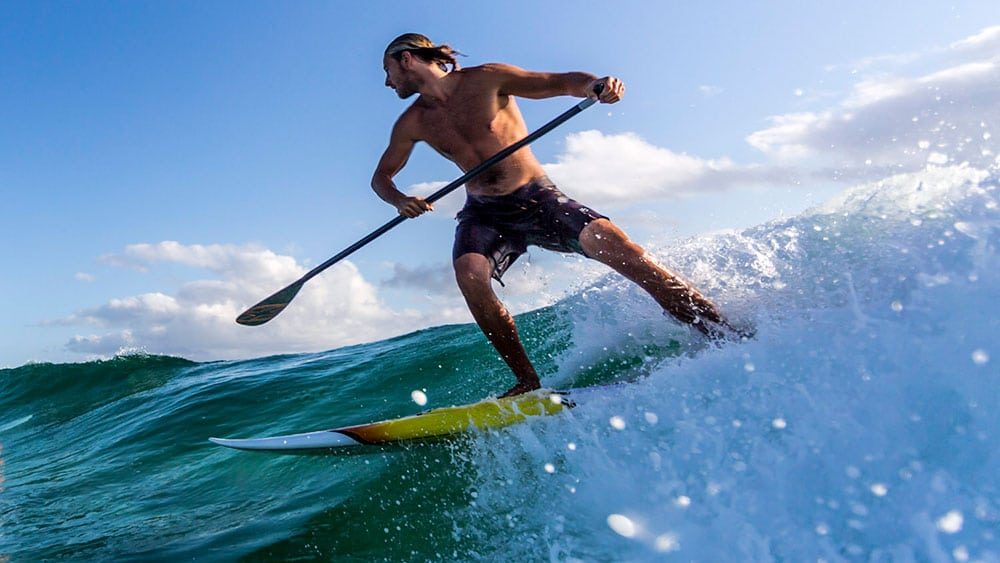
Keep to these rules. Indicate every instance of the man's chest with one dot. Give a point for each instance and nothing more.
(464, 121)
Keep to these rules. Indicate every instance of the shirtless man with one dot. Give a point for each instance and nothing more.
(468, 115)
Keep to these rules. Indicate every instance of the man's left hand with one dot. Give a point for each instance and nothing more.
(614, 89)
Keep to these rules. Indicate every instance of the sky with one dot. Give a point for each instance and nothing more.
(164, 165)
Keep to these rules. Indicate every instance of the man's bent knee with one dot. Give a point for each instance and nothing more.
(472, 272)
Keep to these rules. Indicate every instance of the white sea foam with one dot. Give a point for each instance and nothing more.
(868, 422)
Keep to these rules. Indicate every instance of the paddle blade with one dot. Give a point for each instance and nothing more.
(270, 307)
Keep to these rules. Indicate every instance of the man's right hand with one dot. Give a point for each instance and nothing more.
(412, 206)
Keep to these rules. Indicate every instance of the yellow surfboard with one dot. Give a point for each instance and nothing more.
(443, 421)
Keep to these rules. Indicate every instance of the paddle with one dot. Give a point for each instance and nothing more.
(275, 304)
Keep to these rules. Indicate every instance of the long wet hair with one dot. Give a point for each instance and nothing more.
(422, 47)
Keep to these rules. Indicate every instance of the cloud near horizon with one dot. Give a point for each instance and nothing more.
(197, 322)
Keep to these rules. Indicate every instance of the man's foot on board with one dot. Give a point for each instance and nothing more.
(520, 388)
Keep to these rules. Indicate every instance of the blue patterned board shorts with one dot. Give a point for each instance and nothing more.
(501, 227)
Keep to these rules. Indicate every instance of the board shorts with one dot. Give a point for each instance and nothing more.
(501, 227)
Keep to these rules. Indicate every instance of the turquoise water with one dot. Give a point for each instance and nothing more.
(861, 423)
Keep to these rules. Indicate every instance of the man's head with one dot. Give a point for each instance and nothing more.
(409, 58)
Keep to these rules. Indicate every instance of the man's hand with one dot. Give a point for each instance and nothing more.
(613, 90)
(412, 206)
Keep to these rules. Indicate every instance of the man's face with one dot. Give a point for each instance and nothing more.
(398, 78)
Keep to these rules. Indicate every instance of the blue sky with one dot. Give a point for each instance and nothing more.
(246, 133)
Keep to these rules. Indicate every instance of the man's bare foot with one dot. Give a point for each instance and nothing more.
(522, 387)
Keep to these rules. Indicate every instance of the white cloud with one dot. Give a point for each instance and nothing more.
(984, 43)
(84, 277)
(942, 115)
(607, 169)
(337, 308)
(988, 38)
(895, 59)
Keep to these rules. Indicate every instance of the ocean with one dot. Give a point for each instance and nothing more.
(862, 422)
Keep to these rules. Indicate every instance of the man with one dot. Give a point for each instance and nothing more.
(468, 115)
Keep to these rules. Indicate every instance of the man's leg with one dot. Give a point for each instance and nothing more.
(603, 241)
(472, 271)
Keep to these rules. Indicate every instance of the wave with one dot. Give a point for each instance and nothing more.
(859, 423)
(56, 392)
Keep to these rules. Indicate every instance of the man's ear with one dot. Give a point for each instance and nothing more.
(405, 59)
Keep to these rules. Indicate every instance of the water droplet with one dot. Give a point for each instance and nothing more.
(980, 356)
(419, 397)
(896, 306)
(667, 542)
(879, 490)
(779, 423)
(549, 468)
(617, 422)
(621, 525)
(683, 501)
(951, 522)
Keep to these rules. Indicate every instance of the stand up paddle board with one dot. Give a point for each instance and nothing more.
(444, 421)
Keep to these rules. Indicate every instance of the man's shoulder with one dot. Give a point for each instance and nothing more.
(409, 120)
(488, 75)
(489, 68)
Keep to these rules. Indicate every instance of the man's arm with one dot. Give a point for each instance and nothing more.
(394, 158)
(515, 81)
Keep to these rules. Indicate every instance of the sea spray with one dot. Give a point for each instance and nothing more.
(861, 422)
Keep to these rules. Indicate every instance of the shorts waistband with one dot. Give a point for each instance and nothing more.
(539, 182)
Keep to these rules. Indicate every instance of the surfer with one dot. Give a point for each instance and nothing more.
(469, 114)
